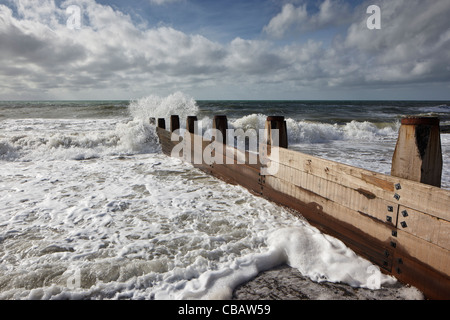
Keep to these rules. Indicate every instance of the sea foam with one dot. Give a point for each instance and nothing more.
(154, 106)
(131, 223)
(301, 131)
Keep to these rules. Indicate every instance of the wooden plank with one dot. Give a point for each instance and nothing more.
(374, 227)
(163, 132)
(432, 255)
(431, 200)
(228, 169)
(166, 146)
(238, 175)
(421, 197)
(351, 204)
(340, 173)
(380, 230)
(367, 237)
(222, 153)
(165, 141)
(360, 200)
(424, 265)
(242, 157)
(197, 152)
(424, 226)
(232, 173)
(433, 284)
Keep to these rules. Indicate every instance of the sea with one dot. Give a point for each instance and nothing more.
(92, 210)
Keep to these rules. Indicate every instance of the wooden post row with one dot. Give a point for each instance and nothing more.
(417, 157)
(304, 184)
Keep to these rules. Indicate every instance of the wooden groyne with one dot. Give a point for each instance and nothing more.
(400, 222)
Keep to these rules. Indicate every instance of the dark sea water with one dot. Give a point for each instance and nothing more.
(91, 209)
(331, 112)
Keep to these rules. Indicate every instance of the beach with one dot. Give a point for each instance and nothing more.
(288, 284)
(93, 210)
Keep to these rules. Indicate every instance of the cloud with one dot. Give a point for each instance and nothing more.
(109, 50)
(289, 16)
(161, 2)
(413, 44)
(112, 56)
(297, 19)
(254, 57)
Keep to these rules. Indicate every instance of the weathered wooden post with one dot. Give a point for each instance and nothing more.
(279, 123)
(174, 123)
(418, 154)
(162, 123)
(190, 124)
(195, 139)
(220, 123)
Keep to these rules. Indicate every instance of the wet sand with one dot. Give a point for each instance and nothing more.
(285, 283)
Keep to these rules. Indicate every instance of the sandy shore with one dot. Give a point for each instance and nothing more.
(285, 283)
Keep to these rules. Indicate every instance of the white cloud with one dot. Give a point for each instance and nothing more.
(296, 19)
(112, 57)
(413, 44)
(289, 16)
(108, 51)
(161, 2)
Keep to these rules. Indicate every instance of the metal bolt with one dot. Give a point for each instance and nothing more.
(394, 233)
(404, 213)
(397, 197)
(389, 219)
(403, 224)
(398, 186)
(390, 209)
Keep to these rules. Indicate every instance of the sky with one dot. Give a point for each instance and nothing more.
(225, 49)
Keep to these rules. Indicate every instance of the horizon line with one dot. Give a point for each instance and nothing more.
(250, 100)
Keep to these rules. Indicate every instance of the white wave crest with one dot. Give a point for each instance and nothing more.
(163, 107)
(34, 140)
(316, 132)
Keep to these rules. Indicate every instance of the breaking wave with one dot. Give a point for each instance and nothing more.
(48, 139)
(316, 132)
(163, 107)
